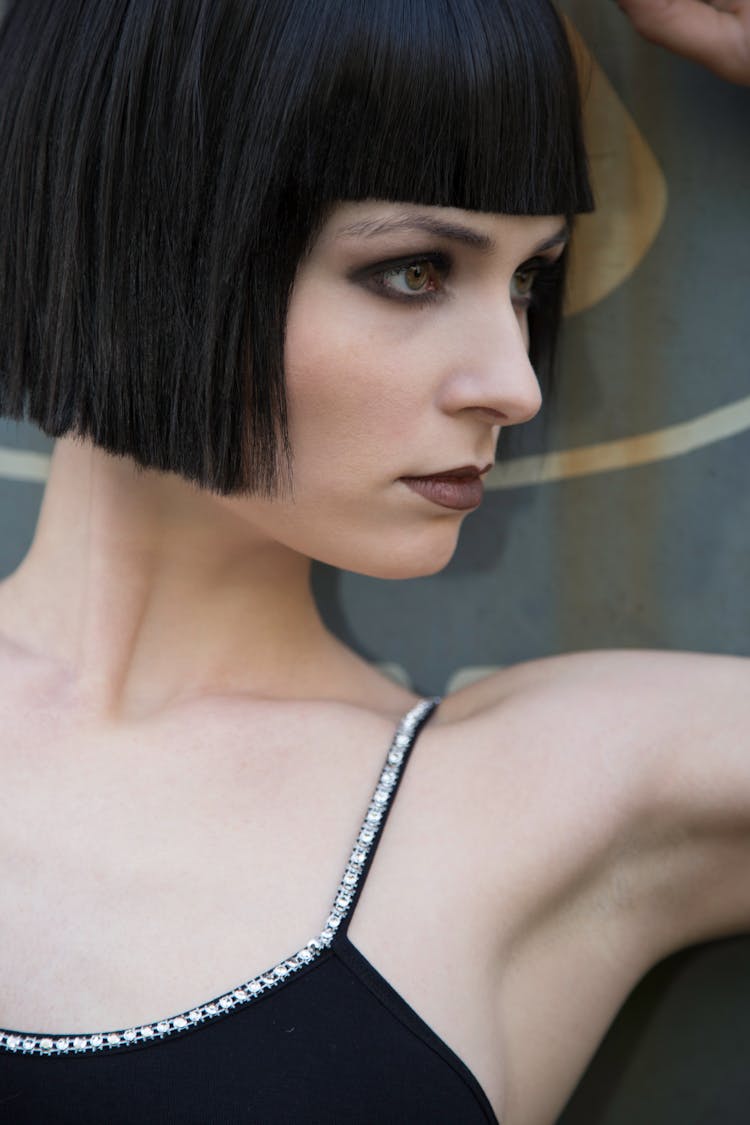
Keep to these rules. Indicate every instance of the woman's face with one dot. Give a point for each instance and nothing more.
(406, 354)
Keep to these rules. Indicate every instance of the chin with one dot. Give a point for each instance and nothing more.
(408, 556)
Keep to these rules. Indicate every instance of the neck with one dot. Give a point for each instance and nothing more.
(147, 591)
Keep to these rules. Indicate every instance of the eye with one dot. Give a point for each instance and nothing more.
(416, 278)
(413, 279)
(522, 285)
(537, 281)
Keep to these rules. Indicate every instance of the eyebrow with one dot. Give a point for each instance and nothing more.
(371, 228)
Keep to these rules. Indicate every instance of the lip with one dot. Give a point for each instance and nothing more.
(460, 489)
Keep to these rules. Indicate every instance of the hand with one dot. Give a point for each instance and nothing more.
(715, 33)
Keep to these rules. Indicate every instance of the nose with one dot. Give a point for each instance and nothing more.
(489, 371)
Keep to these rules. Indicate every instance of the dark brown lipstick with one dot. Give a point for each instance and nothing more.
(460, 489)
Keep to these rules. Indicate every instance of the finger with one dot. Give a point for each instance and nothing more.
(706, 33)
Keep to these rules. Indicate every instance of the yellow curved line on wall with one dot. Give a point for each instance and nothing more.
(624, 453)
(629, 186)
(21, 465)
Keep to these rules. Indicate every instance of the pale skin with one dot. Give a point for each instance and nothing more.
(198, 749)
(714, 33)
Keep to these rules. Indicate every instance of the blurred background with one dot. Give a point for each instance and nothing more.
(622, 517)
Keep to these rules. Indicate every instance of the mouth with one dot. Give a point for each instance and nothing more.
(460, 489)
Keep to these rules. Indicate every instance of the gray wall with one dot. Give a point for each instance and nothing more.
(654, 553)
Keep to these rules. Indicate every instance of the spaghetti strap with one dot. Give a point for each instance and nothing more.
(370, 833)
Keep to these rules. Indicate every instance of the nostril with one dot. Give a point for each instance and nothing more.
(489, 414)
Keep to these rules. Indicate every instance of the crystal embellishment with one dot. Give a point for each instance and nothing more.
(271, 978)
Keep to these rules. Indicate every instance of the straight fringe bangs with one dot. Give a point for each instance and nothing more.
(164, 167)
(457, 103)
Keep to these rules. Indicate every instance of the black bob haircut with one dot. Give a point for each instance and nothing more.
(165, 165)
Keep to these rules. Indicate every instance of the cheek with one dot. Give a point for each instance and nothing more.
(348, 388)
(360, 396)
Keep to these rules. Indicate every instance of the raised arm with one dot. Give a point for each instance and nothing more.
(653, 755)
(696, 838)
(609, 801)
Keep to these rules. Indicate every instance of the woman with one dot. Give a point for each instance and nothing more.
(277, 276)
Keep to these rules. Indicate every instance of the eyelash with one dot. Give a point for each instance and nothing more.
(546, 275)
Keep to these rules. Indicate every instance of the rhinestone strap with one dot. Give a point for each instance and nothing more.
(239, 997)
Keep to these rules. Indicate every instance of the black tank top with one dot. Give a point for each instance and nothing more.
(321, 1038)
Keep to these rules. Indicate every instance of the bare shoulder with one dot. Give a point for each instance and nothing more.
(642, 703)
(27, 679)
(606, 800)
(19, 671)
(652, 676)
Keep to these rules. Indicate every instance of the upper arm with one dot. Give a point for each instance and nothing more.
(677, 797)
(630, 776)
(693, 828)
(609, 801)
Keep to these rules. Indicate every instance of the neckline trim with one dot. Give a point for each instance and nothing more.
(28, 1043)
